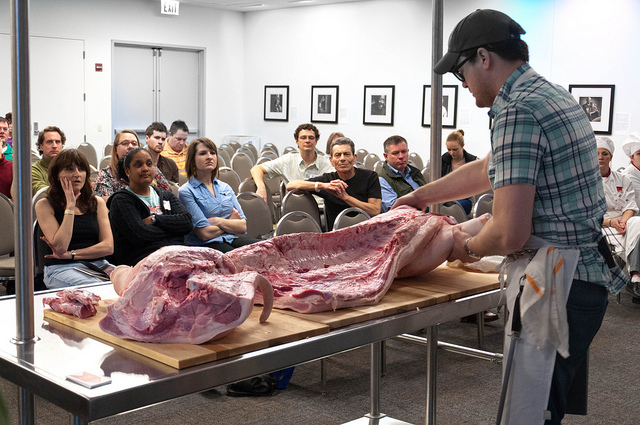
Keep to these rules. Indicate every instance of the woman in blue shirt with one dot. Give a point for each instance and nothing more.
(217, 215)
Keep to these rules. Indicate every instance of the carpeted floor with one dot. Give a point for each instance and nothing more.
(468, 388)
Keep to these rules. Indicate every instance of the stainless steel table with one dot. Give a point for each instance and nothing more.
(137, 381)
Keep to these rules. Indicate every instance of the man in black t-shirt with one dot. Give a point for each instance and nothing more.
(347, 186)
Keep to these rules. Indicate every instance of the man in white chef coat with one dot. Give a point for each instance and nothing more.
(543, 169)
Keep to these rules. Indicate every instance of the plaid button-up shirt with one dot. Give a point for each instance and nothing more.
(542, 137)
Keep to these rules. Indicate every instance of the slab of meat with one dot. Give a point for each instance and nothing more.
(76, 302)
(312, 272)
(182, 295)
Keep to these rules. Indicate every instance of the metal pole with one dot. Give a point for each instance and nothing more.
(436, 93)
(432, 372)
(25, 336)
(375, 415)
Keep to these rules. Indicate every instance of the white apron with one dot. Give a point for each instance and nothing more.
(547, 278)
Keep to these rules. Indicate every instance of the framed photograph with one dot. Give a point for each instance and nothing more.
(324, 104)
(276, 103)
(378, 105)
(597, 103)
(449, 106)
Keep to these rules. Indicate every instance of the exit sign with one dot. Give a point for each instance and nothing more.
(170, 7)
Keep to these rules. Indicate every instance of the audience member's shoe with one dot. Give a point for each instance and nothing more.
(489, 316)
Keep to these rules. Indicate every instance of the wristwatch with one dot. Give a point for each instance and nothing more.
(153, 219)
(469, 252)
(73, 254)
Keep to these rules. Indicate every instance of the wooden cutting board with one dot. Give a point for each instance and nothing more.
(250, 336)
(439, 285)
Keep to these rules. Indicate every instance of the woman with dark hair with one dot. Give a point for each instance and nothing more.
(144, 218)
(108, 181)
(75, 223)
(217, 215)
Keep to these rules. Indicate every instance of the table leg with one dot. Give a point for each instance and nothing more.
(432, 369)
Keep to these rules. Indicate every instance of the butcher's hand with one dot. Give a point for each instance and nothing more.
(411, 200)
(458, 252)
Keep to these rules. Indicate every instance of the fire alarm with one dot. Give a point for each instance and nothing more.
(98, 67)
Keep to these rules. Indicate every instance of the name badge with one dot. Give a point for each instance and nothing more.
(166, 205)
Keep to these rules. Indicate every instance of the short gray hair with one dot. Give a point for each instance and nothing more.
(343, 141)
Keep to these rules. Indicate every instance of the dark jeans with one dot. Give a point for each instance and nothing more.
(236, 243)
(586, 306)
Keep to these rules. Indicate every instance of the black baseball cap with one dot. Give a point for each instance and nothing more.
(482, 27)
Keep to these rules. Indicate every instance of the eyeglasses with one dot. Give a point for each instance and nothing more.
(456, 71)
(128, 143)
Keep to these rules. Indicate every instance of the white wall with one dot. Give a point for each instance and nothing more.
(389, 42)
(377, 42)
(98, 23)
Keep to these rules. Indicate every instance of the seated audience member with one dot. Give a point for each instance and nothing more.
(631, 227)
(155, 137)
(333, 136)
(9, 117)
(456, 157)
(144, 218)
(6, 176)
(301, 165)
(176, 146)
(5, 145)
(108, 181)
(217, 216)
(631, 148)
(50, 143)
(75, 223)
(397, 177)
(346, 187)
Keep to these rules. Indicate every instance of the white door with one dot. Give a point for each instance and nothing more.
(156, 84)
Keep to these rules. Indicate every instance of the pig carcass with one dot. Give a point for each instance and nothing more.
(182, 295)
(76, 302)
(354, 266)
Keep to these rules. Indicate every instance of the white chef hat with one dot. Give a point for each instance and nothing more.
(605, 143)
(631, 144)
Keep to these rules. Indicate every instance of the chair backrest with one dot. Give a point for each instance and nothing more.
(34, 156)
(104, 162)
(224, 154)
(417, 160)
(297, 222)
(259, 223)
(90, 152)
(263, 159)
(426, 173)
(250, 153)
(41, 193)
(377, 167)
(484, 204)
(362, 153)
(272, 147)
(228, 149)
(289, 149)
(182, 178)
(267, 153)
(301, 200)
(249, 185)
(174, 188)
(359, 164)
(349, 217)
(370, 160)
(252, 148)
(230, 177)
(235, 145)
(39, 249)
(107, 149)
(6, 217)
(242, 163)
(455, 210)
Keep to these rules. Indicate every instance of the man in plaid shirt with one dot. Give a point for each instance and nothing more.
(543, 169)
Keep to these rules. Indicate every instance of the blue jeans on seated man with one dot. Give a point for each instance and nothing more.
(60, 276)
(586, 307)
